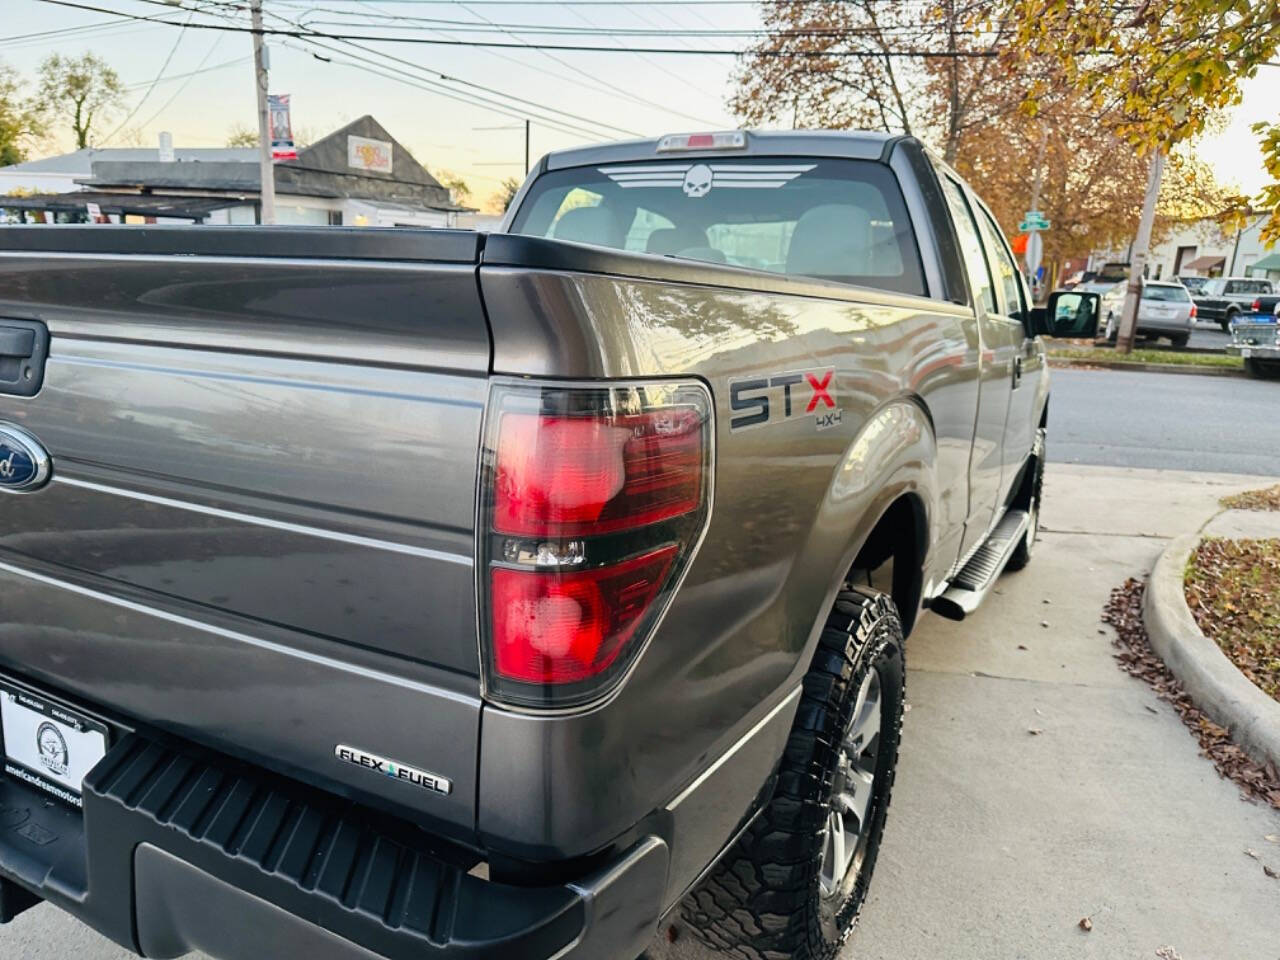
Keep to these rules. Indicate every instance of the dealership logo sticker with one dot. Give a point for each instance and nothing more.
(54, 755)
(374, 763)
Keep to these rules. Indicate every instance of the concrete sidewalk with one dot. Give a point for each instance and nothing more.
(999, 841)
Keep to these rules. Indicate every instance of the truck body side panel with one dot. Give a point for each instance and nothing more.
(738, 635)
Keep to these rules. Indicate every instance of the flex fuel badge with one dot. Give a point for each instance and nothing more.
(396, 771)
(757, 401)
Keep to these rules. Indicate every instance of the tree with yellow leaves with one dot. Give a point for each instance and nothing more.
(1161, 69)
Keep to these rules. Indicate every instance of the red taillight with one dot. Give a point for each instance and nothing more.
(582, 475)
(1257, 306)
(570, 626)
(1193, 311)
(592, 501)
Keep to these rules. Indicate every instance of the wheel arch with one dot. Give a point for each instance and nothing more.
(880, 504)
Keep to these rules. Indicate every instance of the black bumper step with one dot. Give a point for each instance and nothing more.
(361, 876)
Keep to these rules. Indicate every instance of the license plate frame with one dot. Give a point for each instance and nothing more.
(48, 745)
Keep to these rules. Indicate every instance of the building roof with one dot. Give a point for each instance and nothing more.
(324, 169)
(80, 162)
(144, 204)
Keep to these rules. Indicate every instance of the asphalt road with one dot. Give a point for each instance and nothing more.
(1207, 335)
(1168, 421)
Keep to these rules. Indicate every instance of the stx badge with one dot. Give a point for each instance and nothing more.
(760, 400)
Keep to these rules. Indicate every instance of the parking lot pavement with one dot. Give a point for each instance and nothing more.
(1000, 841)
(1208, 335)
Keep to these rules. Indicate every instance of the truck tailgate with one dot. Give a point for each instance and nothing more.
(258, 531)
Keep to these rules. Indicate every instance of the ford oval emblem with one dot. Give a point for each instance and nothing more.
(24, 463)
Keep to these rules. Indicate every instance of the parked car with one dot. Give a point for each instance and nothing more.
(1193, 284)
(1164, 310)
(1225, 298)
(421, 593)
(1255, 336)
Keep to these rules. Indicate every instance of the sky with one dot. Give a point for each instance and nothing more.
(198, 84)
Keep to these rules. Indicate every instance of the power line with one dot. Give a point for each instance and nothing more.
(569, 48)
(561, 125)
(196, 72)
(163, 67)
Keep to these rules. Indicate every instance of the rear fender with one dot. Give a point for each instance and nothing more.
(893, 455)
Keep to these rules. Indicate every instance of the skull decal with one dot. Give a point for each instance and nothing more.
(697, 182)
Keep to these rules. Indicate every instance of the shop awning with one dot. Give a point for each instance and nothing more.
(1205, 263)
(1268, 264)
(139, 204)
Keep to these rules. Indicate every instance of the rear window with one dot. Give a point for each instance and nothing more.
(841, 220)
(1170, 294)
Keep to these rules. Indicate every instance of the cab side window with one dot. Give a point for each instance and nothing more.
(1003, 267)
(984, 294)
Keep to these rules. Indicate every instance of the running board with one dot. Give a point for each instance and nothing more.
(969, 587)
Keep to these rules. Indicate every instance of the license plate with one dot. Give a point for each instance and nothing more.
(47, 745)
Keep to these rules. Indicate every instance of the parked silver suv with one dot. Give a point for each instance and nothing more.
(1165, 310)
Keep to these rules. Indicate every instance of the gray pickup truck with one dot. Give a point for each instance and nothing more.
(412, 594)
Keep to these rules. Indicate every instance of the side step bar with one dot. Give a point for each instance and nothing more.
(969, 587)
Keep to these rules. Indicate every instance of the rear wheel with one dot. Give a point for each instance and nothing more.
(1180, 340)
(794, 882)
(1229, 319)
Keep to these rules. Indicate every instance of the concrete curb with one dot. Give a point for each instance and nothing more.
(1213, 682)
(1146, 367)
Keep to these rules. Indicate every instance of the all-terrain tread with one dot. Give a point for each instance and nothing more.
(761, 901)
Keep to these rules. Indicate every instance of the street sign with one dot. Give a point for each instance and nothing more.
(1035, 251)
(1032, 224)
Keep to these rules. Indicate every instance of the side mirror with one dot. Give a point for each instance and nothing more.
(1069, 314)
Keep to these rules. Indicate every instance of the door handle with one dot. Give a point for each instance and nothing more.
(24, 347)
(1017, 372)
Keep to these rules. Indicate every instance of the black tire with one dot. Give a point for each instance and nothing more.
(764, 899)
(1180, 340)
(1030, 498)
(1262, 369)
(1228, 320)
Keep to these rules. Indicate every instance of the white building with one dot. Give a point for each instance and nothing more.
(1201, 248)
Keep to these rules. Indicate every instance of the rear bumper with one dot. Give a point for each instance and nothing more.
(178, 850)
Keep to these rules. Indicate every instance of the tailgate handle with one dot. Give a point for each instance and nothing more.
(24, 347)
(17, 343)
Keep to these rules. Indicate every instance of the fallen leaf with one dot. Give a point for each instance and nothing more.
(1086, 924)
(1035, 731)
(1251, 853)
(1168, 953)
(1044, 623)
(1270, 873)
(1272, 838)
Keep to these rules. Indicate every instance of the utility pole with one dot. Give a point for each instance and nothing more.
(526, 146)
(1034, 243)
(1138, 258)
(267, 170)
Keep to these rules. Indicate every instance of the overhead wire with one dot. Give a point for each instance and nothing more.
(151, 89)
(578, 48)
